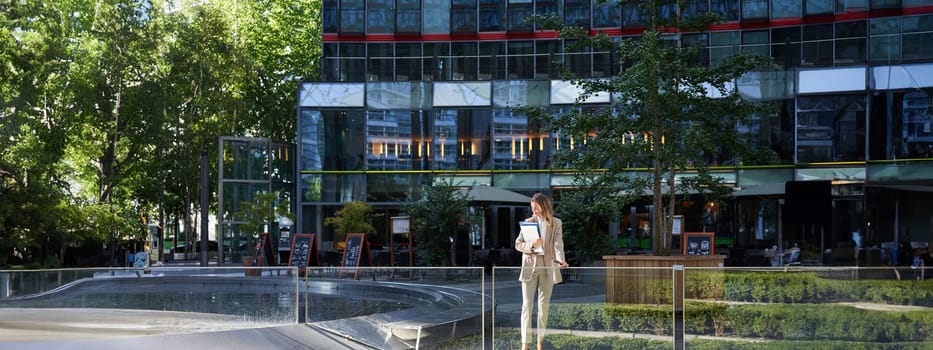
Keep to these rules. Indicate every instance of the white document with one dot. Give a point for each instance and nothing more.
(530, 233)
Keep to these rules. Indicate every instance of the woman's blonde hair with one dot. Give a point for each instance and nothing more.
(545, 203)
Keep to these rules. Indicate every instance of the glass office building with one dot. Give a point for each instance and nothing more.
(416, 90)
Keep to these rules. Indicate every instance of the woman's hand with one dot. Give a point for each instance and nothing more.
(538, 243)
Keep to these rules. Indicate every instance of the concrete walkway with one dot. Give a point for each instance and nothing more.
(104, 329)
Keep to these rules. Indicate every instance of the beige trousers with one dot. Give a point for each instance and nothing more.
(542, 282)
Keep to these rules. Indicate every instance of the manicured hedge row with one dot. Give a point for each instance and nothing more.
(509, 340)
(808, 287)
(775, 321)
(828, 322)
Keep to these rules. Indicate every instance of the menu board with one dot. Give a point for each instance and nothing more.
(303, 252)
(263, 254)
(699, 243)
(356, 253)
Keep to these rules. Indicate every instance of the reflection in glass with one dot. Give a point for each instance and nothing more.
(851, 42)
(885, 42)
(390, 140)
(917, 131)
(606, 15)
(830, 128)
(817, 45)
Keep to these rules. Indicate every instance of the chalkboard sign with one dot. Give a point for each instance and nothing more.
(303, 252)
(263, 255)
(356, 253)
(699, 243)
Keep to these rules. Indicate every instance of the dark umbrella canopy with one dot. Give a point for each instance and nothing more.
(484, 193)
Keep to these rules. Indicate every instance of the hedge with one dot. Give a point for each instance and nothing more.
(510, 340)
(773, 321)
(808, 287)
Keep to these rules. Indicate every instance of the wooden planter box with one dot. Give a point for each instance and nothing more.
(642, 278)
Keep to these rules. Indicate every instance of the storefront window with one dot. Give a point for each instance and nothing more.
(344, 137)
(390, 140)
(917, 132)
(830, 128)
(513, 142)
(459, 140)
(311, 137)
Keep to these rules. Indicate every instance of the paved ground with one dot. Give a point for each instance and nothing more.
(103, 329)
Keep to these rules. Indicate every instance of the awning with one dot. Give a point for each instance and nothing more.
(907, 188)
(484, 193)
(770, 189)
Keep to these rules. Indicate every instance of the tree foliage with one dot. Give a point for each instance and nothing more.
(113, 102)
(354, 217)
(435, 217)
(670, 114)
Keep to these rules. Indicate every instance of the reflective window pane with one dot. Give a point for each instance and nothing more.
(786, 9)
(851, 42)
(819, 7)
(830, 128)
(606, 15)
(754, 9)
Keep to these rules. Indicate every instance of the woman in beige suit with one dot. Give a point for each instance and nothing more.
(540, 267)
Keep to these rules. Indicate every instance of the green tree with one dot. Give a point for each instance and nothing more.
(662, 122)
(435, 217)
(354, 217)
(114, 101)
(262, 211)
(585, 222)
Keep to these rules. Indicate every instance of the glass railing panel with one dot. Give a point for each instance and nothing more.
(113, 302)
(594, 307)
(399, 307)
(808, 307)
(269, 298)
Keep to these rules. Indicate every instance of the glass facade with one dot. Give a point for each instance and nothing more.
(851, 89)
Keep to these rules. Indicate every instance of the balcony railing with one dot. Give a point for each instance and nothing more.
(476, 308)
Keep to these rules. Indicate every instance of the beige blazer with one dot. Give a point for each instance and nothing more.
(553, 251)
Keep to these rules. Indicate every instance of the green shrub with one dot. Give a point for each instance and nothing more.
(827, 322)
(641, 318)
(704, 284)
(766, 321)
(808, 287)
